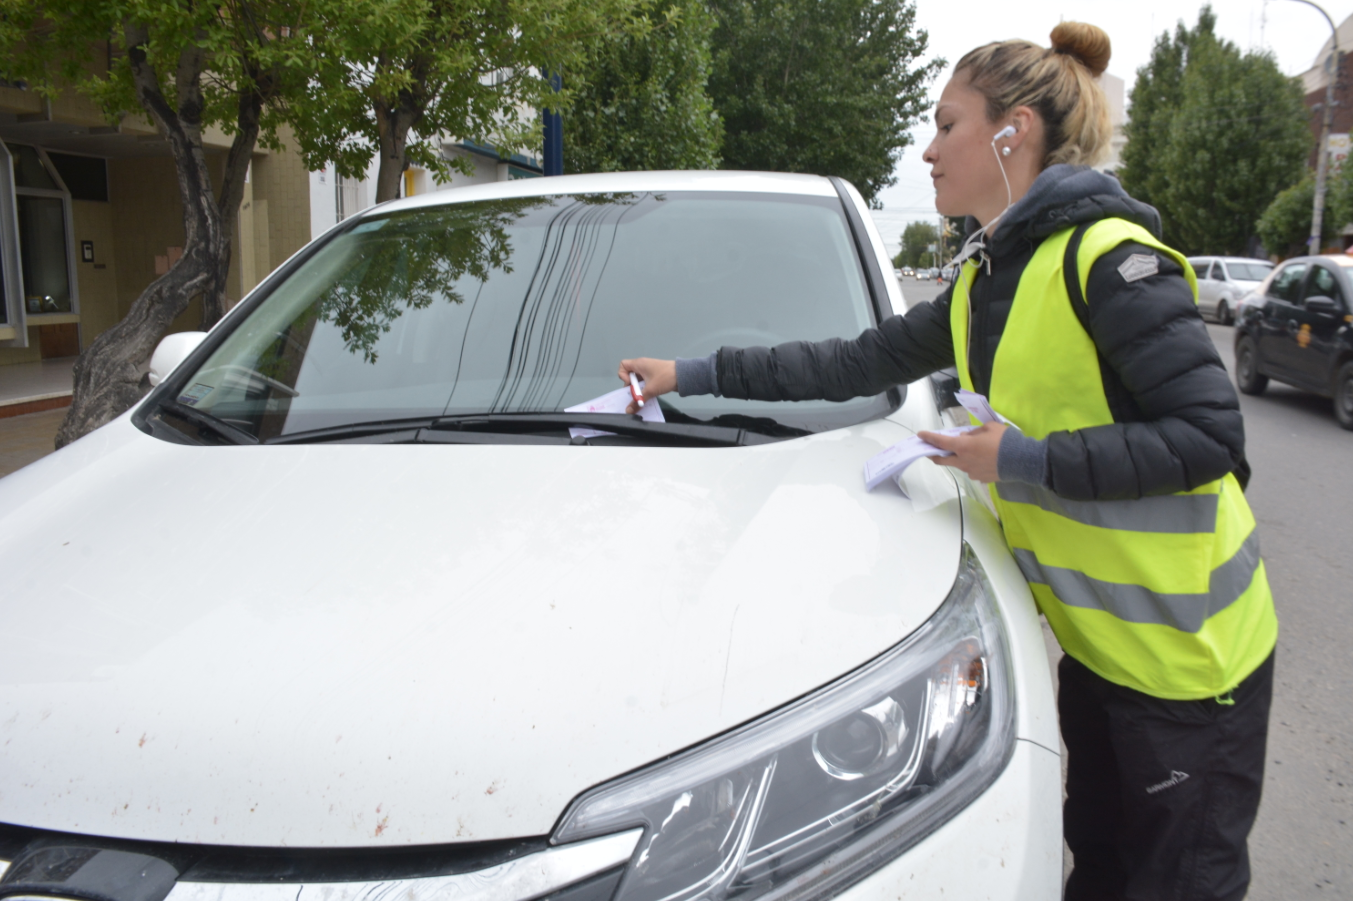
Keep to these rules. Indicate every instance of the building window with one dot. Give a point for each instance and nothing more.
(345, 197)
(86, 177)
(42, 216)
(42, 253)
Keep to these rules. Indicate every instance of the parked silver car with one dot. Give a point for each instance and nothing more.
(1222, 281)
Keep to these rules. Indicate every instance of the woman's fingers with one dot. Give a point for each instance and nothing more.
(975, 452)
(658, 376)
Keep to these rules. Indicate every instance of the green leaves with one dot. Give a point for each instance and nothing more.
(400, 76)
(830, 87)
(917, 238)
(639, 101)
(1286, 225)
(1213, 136)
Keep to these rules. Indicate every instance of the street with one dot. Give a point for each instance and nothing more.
(1302, 496)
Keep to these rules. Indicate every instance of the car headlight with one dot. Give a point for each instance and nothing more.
(807, 800)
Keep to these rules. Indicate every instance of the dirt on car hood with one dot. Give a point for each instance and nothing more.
(367, 645)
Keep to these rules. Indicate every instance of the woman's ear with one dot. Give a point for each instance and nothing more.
(1022, 119)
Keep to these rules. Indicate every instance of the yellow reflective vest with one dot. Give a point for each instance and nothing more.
(1166, 595)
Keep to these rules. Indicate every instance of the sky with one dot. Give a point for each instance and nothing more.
(1292, 31)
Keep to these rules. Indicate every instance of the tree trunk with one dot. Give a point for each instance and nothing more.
(391, 167)
(107, 374)
(232, 194)
(393, 125)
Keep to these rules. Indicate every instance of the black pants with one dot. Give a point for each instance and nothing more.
(1161, 794)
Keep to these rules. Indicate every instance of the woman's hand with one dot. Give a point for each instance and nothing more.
(975, 452)
(658, 376)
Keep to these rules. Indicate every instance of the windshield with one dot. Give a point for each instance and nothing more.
(1249, 272)
(528, 305)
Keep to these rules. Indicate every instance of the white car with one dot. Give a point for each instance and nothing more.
(344, 609)
(1225, 282)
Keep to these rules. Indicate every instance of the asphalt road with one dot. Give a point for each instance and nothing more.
(1302, 496)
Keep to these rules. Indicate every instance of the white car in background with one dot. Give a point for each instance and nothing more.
(348, 607)
(1224, 281)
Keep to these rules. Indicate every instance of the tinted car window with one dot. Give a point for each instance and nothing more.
(1249, 272)
(1324, 284)
(1287, 283)
(528, 305)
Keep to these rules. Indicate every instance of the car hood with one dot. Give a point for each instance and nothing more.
(372, 645)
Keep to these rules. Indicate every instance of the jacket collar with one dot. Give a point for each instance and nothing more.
(1064, 196)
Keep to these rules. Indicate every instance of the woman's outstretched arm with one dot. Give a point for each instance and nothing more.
(899, 350)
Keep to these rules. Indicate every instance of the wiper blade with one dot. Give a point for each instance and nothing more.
(629, 426)
(356, 430)
(761, 425)
(219, 427)
(509, 428)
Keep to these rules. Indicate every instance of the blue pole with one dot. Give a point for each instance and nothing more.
(554, 134)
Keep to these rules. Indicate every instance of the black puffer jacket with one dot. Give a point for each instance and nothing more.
(1177, 422)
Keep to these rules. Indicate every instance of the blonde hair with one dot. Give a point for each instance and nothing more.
(1058, 83)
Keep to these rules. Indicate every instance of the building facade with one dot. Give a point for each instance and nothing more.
(90, 215)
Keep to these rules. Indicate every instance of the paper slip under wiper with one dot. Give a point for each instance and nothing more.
(890, 463)
(612, 402)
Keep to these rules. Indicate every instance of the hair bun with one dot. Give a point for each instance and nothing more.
(1087, 43)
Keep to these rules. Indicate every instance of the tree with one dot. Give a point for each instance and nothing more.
(185, 66)
(917, 238)
(640, 102)
(830, 87)
(1339, 206)
(1214, 149)
(1154, 98)
(404, 74)
(1285, 226)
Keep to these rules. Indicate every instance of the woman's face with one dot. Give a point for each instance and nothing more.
(963, 168)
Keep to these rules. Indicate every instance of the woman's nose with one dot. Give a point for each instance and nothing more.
(929, 156)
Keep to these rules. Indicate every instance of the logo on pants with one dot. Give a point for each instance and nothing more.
(1176, 777)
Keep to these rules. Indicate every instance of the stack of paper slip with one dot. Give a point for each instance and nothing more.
(889, 463)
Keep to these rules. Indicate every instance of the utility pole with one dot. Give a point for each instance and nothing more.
(1322, 154)
(553, 161)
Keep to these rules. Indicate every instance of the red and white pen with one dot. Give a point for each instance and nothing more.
(635, 391)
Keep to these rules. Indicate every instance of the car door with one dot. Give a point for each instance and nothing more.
(1278, 324)
(1317, 330)
(1202, 267)
(1223, 290)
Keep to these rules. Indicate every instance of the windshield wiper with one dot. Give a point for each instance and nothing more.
(693, 432)
(525, 428)
(761, 425)
(219, 427)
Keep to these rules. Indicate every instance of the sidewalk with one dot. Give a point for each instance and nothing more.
(31, 387)
(26, 438)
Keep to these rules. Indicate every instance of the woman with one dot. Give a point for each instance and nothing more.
(1117, 493)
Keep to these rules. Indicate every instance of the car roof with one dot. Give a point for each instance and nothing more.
(1342, 260)
(615, 182)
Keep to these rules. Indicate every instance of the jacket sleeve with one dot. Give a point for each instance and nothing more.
(1186, 427)
(901, 349)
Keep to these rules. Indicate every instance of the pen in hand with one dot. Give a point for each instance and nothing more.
(635, 391)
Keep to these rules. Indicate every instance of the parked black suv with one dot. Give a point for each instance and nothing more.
(1299, 330)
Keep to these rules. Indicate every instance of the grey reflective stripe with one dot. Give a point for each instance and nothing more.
(1137, 604)
(1171, 513)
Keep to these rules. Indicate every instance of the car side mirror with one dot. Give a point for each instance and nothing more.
(945, 384)
(1324, 305)
(170, 352)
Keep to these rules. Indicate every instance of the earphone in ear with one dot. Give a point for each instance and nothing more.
(1006, 132)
